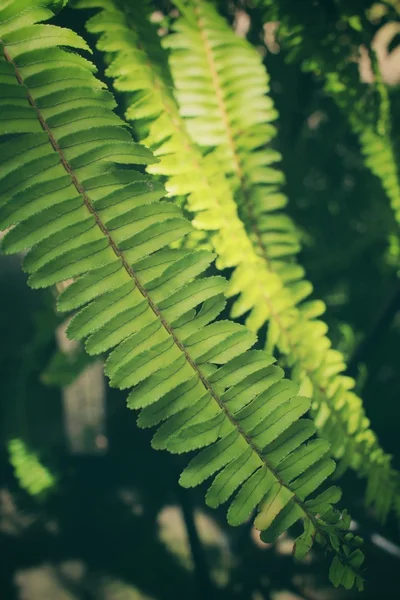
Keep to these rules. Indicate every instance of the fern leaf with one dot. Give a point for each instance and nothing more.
(128, 39)
(127, 240)
(239, 124)
(376, 141)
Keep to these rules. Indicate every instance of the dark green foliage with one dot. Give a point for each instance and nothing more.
(309, 34)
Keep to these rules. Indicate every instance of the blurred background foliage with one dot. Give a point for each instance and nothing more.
(87, 509)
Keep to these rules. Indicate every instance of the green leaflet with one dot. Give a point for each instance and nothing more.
(305, 484)
(210, 460)
(300, 460)
(322, 502)
(285, 518)
(171, 404)
(32, 475)
(249, 496)
(305, 541)
(341, 574)
(145, 302)
(275, 500)
(227, 111)
(231, 477)
(297, 433)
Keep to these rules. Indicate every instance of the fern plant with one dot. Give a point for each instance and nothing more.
(254, 236)
(75, 200)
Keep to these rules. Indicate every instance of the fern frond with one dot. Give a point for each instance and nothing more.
(209, 197)
(74, 199)
(221, 86)
(376, 140)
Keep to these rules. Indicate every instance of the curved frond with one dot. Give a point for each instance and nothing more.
(73, 197)
(221, 87)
